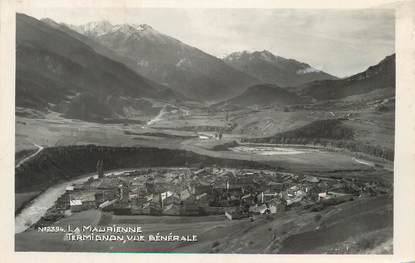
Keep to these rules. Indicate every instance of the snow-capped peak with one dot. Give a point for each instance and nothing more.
(124, 28)
(262, 55)
(236, 55)
(99, 28)
(142, 27)
(267, 56)
(96, 28)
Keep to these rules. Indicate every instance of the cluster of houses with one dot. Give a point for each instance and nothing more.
(236, 193)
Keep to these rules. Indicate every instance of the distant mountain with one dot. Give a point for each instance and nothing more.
(377, 77)
(57, 71)
(101, 49)
(165, 92)
(168, 61)
(264, 94)
(274, 69)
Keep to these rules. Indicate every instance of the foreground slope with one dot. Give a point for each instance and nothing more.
(364, 226)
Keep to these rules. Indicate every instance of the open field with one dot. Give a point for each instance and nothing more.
(57, 131)
(61, 132)
(369, 128)
(308, 161)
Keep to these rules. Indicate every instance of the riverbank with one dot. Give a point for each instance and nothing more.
(23, 199)
(37, 207)
(64, 163)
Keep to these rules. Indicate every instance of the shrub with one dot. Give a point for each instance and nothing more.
(365, 243)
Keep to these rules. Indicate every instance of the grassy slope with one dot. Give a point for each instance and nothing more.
(289, 232)
(379, 76)
(265, 94)
(368, 126)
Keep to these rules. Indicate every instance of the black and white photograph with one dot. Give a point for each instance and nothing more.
(204, 130)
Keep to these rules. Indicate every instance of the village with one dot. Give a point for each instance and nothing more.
(235, 193)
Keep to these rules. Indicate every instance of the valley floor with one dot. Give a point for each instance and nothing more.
(344, 228)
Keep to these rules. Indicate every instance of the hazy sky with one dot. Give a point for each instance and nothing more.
(340, 42)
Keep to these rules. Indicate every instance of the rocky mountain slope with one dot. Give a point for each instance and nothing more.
(275, 69)
(377, 82)
(377, 77)
(57, 71)
(169, 61)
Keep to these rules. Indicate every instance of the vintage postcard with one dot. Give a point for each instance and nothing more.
(208, 129)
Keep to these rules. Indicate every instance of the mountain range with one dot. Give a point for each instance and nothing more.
(103, 71)
(169, 61)
(378, 79)
(269, 68)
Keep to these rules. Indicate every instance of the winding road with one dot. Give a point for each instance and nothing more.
(363, 162)
(39, 149)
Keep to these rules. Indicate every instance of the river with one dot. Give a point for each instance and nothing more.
(37, 208)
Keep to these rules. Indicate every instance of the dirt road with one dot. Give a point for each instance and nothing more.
(39, 149)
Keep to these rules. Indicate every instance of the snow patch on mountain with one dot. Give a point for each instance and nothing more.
(100, 28)
(96, 28)
(307, 70)
(235, 55)
(267, 56)
(142, 27)
(184, 62)
(142, 62)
